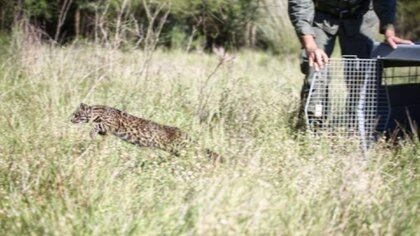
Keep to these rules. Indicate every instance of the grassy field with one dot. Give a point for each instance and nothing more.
(55, 180)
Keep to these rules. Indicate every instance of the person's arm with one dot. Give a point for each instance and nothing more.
(301, 14)
(385, 9)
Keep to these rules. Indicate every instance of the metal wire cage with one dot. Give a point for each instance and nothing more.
(347, 99)
(364, 97)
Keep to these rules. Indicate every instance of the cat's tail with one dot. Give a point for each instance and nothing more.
(215, 157)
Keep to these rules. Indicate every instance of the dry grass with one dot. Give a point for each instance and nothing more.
(55, 180)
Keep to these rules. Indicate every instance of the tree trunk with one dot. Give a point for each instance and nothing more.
(18, 12)
(77, 23)
(2, 19)
(62, 18)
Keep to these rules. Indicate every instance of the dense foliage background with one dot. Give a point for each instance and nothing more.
(189, 24)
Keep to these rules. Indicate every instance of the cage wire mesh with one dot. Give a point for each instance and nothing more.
(346, 98)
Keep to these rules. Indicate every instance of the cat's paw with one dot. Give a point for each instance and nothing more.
(93, 133)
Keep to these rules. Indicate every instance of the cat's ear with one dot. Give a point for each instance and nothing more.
(83, 106)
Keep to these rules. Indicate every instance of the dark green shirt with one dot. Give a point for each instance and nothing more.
(302, 12)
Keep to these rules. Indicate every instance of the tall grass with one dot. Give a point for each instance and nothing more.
(55, 180)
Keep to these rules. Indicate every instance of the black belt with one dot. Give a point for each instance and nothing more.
(339, 12)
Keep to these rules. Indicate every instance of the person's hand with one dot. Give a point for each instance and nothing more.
(316, 56)
(393, 40)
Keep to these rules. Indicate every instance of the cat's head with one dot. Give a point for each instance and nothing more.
(82, 114)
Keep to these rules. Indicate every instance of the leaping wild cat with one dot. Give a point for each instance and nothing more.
(135, 130)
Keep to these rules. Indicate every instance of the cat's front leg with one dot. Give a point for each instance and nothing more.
(98, 128)
(93, 133)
